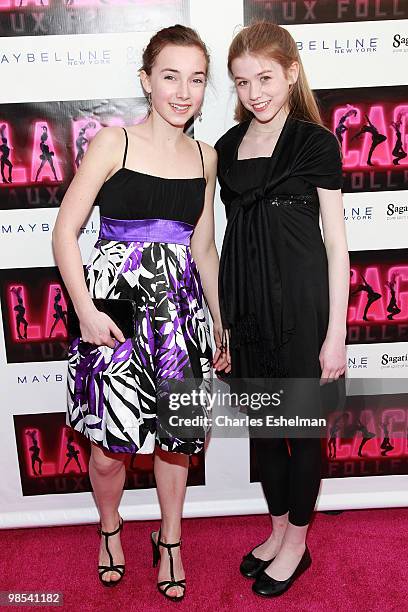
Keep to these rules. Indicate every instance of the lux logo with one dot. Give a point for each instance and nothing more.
(54, 315)
(12, 4)
(16, 4)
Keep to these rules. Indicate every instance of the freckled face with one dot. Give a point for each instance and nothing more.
(177, 83)
(261, 85)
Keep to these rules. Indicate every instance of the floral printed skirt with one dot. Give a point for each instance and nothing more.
(119, 398)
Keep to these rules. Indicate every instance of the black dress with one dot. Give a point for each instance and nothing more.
(119, 397)
(273, 283)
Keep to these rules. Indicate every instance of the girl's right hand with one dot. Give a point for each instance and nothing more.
(98, 328)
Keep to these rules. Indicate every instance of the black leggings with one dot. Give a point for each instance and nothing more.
(290, 482)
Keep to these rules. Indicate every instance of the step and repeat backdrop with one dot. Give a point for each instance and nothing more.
(69, 68)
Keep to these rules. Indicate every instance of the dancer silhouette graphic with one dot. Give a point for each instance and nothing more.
(386, 445)
(35, 453)
(377, 138)
(5, 154)
(341, 126)
(398, 150)
(334, 430)
(392, 307)
(367, 435)
(46, 154)
(20, 312)
(59, 313)
(372, 296)
(81, 141)
(72, 454)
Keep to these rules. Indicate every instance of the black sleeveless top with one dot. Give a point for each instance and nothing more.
(129, 194)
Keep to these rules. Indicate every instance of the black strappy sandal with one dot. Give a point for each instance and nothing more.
(169, 583)
(102, 569)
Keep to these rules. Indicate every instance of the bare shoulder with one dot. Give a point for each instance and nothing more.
(209, 153)
(110, 136)
(103, 153)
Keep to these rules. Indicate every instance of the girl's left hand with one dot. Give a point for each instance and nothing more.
(222, 358)
(332, 359)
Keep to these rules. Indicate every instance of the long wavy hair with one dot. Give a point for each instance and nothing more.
(272, 41)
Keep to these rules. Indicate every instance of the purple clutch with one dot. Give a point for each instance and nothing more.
(122, 311)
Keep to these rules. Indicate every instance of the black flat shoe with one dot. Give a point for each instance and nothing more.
(251, 566)
(269, 587)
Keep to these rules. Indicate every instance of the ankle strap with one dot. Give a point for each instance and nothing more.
(111, 533)
(169, 545)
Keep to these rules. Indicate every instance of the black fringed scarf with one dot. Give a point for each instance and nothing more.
(253, 280)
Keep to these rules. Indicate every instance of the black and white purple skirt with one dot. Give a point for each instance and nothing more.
(120, 398)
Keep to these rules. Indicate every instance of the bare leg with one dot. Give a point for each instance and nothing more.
(271, 546)
(107, 474)
(290, 553)
(171, 470)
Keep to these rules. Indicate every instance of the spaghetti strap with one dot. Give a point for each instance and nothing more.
(126, 148)
(201, 155)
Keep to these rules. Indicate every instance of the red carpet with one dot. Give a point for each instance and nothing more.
(359, 563)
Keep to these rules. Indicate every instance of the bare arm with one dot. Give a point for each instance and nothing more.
(205, 254)
(96, 165)
(333, 355)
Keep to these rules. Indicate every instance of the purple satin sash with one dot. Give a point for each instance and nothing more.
(146, 230)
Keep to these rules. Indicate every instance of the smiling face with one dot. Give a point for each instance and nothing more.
(177, 83)
(261, 84)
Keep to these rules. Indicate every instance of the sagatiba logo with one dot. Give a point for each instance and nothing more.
(396, 212)
(358, 213)
(77, 57)
(357, 363)
(400, 43)
(339, 45)
(394, 361)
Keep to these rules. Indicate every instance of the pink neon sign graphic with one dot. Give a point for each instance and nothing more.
(379, 292)
(356, 151)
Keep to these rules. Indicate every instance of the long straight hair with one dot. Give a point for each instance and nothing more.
(272, 41)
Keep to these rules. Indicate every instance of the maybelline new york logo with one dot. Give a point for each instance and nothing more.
(25, 229)
(357, 363)
(40, 378)
(358, 213)
(70, 57)
(339, 45)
